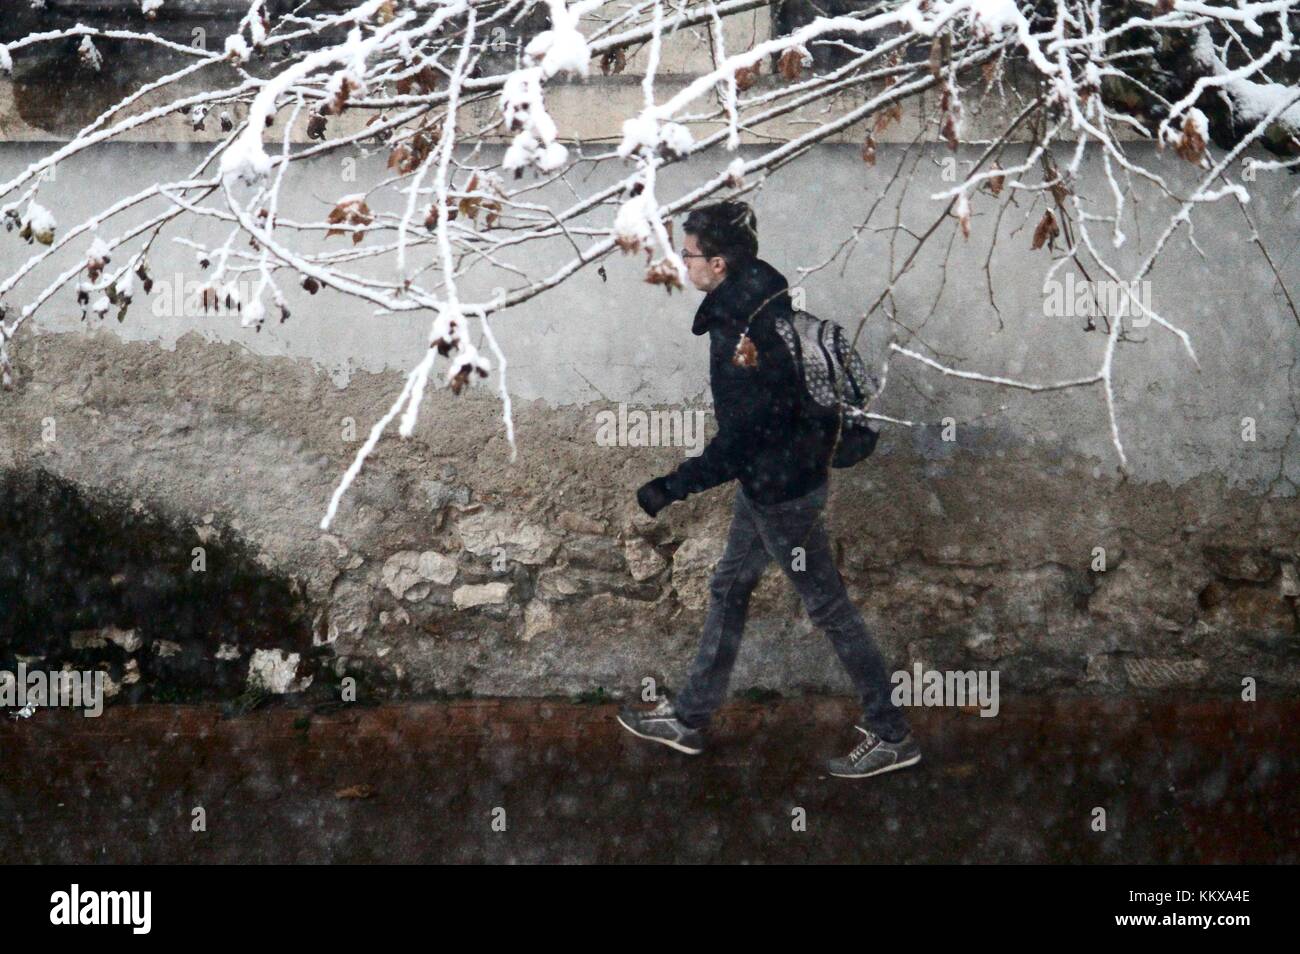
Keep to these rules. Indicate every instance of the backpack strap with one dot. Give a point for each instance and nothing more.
(842, 347)
(830, 359)
(793, 340)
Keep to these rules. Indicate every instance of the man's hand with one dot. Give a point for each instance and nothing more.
(654, 496)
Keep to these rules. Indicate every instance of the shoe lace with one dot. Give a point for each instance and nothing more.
(869, 742)
(663, 708)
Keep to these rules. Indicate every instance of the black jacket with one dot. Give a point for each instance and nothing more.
(765, 440)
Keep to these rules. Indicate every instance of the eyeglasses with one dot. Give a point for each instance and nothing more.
(685, 254)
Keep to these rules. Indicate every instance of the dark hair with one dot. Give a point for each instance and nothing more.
(729, 229)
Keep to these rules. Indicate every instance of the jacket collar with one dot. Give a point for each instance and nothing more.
(749, 289)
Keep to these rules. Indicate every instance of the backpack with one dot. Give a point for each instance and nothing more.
(834, 379)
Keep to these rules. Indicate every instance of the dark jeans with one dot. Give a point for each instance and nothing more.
(761, 533)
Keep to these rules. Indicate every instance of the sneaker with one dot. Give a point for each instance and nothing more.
(873, 755)
(661, 724)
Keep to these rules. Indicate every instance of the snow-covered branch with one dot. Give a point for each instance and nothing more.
(411, 79)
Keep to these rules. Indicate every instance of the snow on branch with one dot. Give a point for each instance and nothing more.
(1207, 84)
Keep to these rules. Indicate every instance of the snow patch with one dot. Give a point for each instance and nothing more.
(245, 160)
(90, 54)
(561, 49)
(632, 225)
(994, 16)
(676, 138)
(523, 110)
(1251, 101)
(644, 134)
(39, 220)
(237, 47)
(639, 133)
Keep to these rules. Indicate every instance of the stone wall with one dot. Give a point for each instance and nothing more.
(452, 570)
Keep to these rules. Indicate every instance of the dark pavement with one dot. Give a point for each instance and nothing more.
(1213, 780)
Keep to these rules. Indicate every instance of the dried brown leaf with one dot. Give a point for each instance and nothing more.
(995, 183)
(663, 273)
(613, 61)
(989, 70)
(746, 76)
(1191, 144)
(353, 212)
(869, 150)
(790, 65)
(936, 57)
(1046, 232)
(340, 101)
(949, 130)
(888, 116)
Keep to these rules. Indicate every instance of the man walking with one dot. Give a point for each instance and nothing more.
(780, 456)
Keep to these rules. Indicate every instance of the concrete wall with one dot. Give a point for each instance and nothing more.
(452, 569)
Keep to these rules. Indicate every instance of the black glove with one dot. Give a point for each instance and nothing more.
(654, 496)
